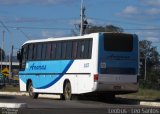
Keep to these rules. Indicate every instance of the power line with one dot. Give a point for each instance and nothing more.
(143, 29)
(56, 28)
(23, 33)
(4, 26)
(23, 27)
(32, 20)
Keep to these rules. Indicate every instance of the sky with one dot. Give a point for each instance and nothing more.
(36, 19)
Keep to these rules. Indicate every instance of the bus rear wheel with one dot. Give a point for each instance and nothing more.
(67, 91)
(32, 94)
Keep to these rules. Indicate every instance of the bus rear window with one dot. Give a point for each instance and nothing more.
(118, 42)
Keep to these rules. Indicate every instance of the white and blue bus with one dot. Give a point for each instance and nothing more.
(93, 63)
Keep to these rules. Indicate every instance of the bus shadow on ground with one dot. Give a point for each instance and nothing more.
(116, 100)
(126, 101)
(6, 97)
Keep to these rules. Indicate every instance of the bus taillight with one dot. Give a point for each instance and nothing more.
(95, 77)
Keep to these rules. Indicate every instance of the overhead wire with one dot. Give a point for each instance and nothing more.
(58, 28)
(27, 27)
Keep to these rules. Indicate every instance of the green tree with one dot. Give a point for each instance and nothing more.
(150, 53)
(152, 64)
(94, 29)
(2, 53)
(107, 28)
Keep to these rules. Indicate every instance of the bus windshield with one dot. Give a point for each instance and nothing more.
(118, 42)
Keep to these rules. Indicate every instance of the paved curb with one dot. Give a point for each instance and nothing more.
(155, 104)
(13, 105)
(49, 96)
(14, 93)
(22, 105)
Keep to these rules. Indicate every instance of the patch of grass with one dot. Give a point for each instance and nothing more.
(143, 94)
(10, 88)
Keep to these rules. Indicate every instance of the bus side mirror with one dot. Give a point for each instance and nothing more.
(19, 56)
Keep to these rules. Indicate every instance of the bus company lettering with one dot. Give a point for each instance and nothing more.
(37, 67)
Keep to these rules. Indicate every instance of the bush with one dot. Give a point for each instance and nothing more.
(146, 84)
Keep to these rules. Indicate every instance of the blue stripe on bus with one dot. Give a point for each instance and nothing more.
(40, 78)
(58, 78)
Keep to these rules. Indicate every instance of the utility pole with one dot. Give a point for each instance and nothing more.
(145, 72)
(3, 40)
(82, 18)
(11, 61)
(2, 49)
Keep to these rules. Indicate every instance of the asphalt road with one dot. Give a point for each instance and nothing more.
(50, 106)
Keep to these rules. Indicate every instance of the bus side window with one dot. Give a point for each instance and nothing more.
(90, 48)
(79, 50)
(58, 50)
(34, 51)
(82, 49)
(74, 49)
(53, 51)
(86, 49)
(24, 57)
(64, 43)
(39, 51)
(44, 51)
(48, 51)
(30, 52)
(69, 50)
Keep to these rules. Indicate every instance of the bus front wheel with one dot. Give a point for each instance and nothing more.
(32, 94)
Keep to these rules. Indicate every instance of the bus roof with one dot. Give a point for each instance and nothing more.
(68, 38)
(61, 38)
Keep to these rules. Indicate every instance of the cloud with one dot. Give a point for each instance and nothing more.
(54, 34)
(137, 13)
(153, 39)
(149, 35)
(17, 2)
(130, 10)
(74, 22)
(42, 2)
(153, 34)
(152, 2)
(92, 21)
(2, 17)
(8, 19)
(21, 20)
(153, 11)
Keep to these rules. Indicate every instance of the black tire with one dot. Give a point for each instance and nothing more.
(31, 93)
(67, 91)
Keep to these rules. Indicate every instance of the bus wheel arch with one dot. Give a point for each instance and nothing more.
(67, 90)
(32, 94)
